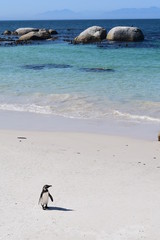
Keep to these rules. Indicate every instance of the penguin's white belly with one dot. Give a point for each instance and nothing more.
(45, 198)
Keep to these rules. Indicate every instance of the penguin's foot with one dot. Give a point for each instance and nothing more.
(44, 207)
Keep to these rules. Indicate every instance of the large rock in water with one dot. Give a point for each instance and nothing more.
(91, 34)
(22, 31)
(40, 35)
(128, 34)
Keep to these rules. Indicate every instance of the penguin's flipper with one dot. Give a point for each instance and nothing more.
(40, 198)
(51, 197)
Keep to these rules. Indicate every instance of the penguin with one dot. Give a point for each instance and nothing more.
(44, 197)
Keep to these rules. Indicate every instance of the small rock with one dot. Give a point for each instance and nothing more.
(14, 33)
(159, 136)
(7, 32)
(52, 31)
(22, 138)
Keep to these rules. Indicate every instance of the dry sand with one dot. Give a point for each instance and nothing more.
(104, 187)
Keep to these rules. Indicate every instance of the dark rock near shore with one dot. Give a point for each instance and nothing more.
(97, 69)
(34, 67)
(43, 66)
(52, 65)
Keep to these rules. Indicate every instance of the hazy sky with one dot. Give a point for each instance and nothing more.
(22, 8)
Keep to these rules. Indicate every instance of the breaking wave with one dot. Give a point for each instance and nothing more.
(135, 117)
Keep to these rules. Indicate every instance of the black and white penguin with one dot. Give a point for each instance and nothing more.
(44, 197)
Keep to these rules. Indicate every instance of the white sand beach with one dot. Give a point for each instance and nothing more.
(104, 187)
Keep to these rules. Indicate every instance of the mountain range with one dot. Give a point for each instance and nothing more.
(125, 13)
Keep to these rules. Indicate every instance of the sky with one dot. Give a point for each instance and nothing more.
(28, 8)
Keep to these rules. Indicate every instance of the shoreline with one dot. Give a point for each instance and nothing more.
(25, 121)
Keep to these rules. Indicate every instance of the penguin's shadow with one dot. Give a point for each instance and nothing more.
(59, 209)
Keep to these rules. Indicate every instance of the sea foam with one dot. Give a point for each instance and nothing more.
(135, 117)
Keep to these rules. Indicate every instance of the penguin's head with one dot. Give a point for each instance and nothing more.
(45, 188)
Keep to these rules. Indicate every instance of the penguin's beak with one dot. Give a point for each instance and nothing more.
(49, 186)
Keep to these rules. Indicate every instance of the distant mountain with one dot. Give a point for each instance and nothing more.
(125, 13)
(58, 14)
(68, 14)
(140, 13)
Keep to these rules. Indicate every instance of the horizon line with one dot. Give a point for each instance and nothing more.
(77, 19)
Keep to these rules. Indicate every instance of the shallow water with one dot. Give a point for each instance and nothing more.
(99, 81)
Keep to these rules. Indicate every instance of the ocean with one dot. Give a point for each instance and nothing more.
(107, 80)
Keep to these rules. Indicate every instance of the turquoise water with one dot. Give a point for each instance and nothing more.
(83, 81)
